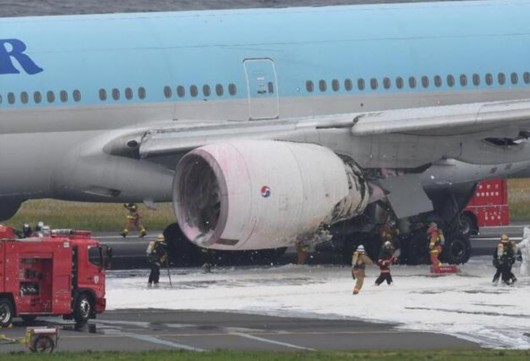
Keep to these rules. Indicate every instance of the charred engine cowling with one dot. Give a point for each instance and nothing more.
(263, 194)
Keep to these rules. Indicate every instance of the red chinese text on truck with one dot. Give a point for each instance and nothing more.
(488, 206)
(61, 275)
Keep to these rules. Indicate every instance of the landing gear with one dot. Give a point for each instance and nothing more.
(457, 249)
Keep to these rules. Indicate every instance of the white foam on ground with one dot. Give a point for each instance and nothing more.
(466, 304)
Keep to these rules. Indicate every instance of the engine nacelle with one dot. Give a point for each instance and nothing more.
(263, 194)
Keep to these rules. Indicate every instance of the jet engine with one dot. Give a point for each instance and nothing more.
(264, 194)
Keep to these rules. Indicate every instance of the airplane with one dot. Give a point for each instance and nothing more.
(268, 127)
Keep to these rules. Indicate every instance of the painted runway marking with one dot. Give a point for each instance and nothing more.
(271, 341)
(164, 342)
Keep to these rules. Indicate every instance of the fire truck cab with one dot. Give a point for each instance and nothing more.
(62, 273)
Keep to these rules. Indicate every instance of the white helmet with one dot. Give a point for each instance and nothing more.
(360, 248)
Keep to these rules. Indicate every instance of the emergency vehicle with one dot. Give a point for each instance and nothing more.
(60, 274)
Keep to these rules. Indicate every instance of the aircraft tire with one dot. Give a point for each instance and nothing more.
(457, 249)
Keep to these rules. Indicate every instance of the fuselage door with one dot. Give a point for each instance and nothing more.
(262, 86)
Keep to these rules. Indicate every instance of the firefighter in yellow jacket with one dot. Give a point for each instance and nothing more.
(436, 241)
(358, 264)
(133, 220)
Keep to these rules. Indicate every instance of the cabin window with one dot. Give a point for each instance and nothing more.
(63, 95)
(361, 84)
(181, 91)
(437, 81)
(476, 79)
(348, 84)
(387, 83)
(128, 93)
(373, 83)
(489, 79)
(526, 77)
(116, 94)
(76, 94)
(514, 78)
(141, 92)
(11, 98)
(194, 91)
(501, 78)
(232, 89)
(309, 86)
(322, 85)
(168, 92)
(412, 82)
(24, 97)
(425, 81)
(37, 97)
(219, 90)
(335, 85)
(463, 80)
(399, 82)
(451, 80)
(50, 96)
(206, 91)
(102, 94)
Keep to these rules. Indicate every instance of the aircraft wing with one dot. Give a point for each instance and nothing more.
(403, 138)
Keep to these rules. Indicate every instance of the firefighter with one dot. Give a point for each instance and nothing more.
(358, 263)
(524, 248)
(436, 241)
(302, 251)
(207, 260)
(505, 259)
(157, 256)
(386, 258)
(133, 219)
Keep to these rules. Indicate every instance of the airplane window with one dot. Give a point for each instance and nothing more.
(489, 79)
(412, 82)
(181, 91)
(476, 79)
(206, 90)
(141, 92)
(0, 99)
(116, 94)
(64, 96)
(335, 85)
(514, 78)
(102, 94)
(348, 84)
(128, 93)
(437, 81)
(50, 96)
(11, 98)
(322, 85)
(167, 92)
(399, 82)
(526, 77)
(450, 80)
(501, 78)
(373, 83)
(309, 86)
(194, 91)
(232, 89)
(425, 81)
(24, 97)
(270, 87)
(386, 83)
(360, 84)
(463, 79)
(37, 97)
(219, 90)
(77, 95)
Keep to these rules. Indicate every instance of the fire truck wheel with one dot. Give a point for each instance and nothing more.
(42, 344)
(6, 312)
(82, 308)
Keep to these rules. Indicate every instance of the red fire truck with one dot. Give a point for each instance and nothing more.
(488, 206)
(60, 274)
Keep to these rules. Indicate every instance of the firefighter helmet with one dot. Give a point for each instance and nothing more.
(360, 248)
(504, 238)
(160, 237)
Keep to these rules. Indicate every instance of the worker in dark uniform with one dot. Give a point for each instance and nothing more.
(436, 241)
(506, 250)
(157, 256)
(133, 220)
(358, 263)
(207, 260)
(386, 258)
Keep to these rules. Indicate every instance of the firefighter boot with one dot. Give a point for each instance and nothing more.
(142, 233)
(124, 233)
